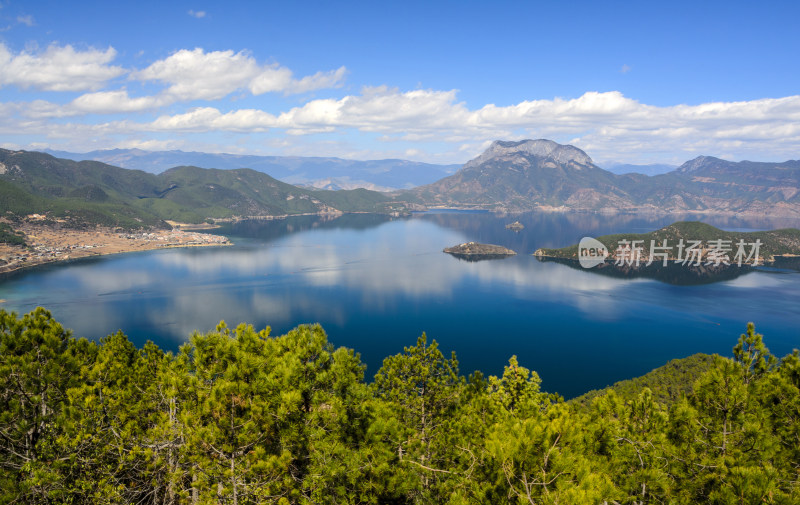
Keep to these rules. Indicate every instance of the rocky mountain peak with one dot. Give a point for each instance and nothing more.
(541, 148)
(697, 164)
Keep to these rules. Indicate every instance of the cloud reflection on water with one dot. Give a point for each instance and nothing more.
(331, 273)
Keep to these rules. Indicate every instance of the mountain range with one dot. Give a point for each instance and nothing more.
(544, 175)
(316, 172)
(508, 177)
(649, 169)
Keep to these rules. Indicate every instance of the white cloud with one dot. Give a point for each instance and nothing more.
(320, 80)
(270, 79)
(189, 75)
(109, 102)
(100, 102)
(58, 68)
(381, 109)
(418, 114)
(208, 118)
(197, 14)
(197, 74)
(608, 125)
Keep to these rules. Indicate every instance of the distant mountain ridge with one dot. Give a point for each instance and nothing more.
(513, 176)
(541, 174)
(649, 169)
(710, 164)
(318, 172)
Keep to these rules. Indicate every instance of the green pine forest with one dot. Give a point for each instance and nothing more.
(238, 416)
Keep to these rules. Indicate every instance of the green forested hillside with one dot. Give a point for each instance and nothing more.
(77, 207)
(9, 236)
(96, 193)
(239, 416)
(668, 383)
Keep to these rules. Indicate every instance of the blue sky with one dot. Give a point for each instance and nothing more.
(637, 82)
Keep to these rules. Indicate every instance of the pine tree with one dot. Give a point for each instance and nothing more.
(232, 418)
(423, 388)
(39, 363)
(517, 392)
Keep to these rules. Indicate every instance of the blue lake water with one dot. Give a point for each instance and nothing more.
(376, 283)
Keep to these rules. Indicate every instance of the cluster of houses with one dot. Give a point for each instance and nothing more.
(177, 237)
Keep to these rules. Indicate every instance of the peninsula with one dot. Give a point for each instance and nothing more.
(41, 243)
(683, 253)
(693, 241)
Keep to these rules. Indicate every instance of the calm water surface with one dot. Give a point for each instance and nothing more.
(377, 283)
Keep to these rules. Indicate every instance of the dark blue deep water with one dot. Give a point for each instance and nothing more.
(376, 283)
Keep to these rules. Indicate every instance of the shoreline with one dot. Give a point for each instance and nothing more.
(643, 211)
(47, 246)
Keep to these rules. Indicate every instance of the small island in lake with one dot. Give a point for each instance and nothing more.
(474, 251)
(516, 226)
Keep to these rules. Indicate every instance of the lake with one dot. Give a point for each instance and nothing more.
(376, 283)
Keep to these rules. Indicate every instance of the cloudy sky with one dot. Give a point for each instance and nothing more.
(634, 82)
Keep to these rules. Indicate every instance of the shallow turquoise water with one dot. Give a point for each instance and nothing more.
(377, 283)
